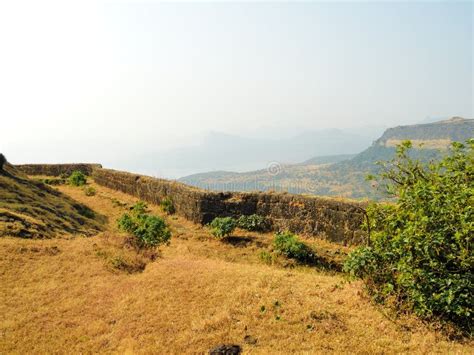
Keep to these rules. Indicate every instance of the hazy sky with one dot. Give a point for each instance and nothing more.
(111, 77)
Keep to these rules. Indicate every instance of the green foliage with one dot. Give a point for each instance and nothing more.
(53, 181)
(222, 227)
(266, 257)
(148, 230)
(168, 206)
(420, 251)
(89, 191)
(254, 223)
(289, 245)
(77, 178)
(139, 208)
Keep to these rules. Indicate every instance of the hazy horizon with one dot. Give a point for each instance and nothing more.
(100, 81)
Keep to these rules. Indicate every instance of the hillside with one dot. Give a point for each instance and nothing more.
(342, 175)
(31, 209)
(98, 295)
(220, 151)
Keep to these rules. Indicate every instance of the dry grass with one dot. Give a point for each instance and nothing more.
(30, 209)
(420, 143)
(61, 295)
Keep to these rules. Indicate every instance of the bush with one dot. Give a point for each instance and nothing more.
(148, 231)
(167, 205)
(289, 245)
(254, 223)
(139, 208)
(222, 227)
(89, 191)
(420, 251)
(53, 181)
(77, 178)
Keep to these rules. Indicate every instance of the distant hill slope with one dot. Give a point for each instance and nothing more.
(328, 159)
(337, 176)
(30, 209)
(220, 151)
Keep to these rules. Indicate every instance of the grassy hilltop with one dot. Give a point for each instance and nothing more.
(77, 294)
(31, 209)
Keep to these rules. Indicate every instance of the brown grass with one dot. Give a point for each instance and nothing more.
(31, 209)
(61, 295)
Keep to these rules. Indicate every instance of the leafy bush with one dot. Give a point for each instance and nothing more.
(167, 205)
(254, 223)
(77, 178)
(89, 191)
(420, 251)
(222, 227)
(289, 245)
(148, 231)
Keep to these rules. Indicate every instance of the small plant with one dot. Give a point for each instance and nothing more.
(89, 191)
(266, 257)
(168, 206)
(118, 203)
(222, 227)
(139, 208)
(289, 245)
(148, 231)
(77, 178)
(53, 181)
(254, 223)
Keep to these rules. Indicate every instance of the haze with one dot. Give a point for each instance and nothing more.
(108, 83)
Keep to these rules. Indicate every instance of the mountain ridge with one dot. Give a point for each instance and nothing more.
(335, 175)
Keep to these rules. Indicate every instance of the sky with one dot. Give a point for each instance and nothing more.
(91, 81)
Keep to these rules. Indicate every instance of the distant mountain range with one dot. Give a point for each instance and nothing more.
(220, 151)
(340, 174)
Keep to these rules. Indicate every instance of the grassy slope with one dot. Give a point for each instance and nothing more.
(31, 209)
(61, 295)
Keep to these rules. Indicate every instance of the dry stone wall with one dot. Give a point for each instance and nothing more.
(336, 220)
(56, 169)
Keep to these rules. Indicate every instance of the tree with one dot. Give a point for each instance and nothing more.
(421, 245)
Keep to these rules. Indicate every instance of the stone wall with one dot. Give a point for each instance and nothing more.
(336, 220)
(56, 169)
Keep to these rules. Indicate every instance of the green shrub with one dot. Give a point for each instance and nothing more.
(148, 231)
(254, 223)
(89, 191)
(53, 181)
(77, 178)
(289, 245)
(167, 205)
(139, 208)
(420, 253)
(222, 227)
